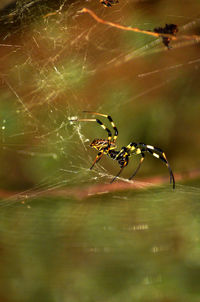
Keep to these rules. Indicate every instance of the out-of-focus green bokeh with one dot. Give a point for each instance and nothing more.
(131, 247)
(54, 63)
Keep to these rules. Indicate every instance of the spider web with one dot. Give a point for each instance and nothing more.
(117, 245)
(57, 62)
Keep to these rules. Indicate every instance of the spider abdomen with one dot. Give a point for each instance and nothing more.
(113, 154)
(120, 156)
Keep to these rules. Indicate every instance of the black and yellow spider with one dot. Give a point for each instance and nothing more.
(109, 3)
(108, 146)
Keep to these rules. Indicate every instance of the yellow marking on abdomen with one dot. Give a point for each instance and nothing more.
(138, 151)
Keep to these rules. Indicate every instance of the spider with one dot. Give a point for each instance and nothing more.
(171, 29)
(108, 147)
(108, 3)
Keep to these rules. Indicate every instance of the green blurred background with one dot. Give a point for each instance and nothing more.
(128, 245)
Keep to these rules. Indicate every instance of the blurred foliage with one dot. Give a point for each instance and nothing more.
(142, 247)
(55, 63)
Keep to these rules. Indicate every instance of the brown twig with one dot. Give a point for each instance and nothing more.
(135, 29)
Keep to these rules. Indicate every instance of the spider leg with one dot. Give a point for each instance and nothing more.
(100, 123)
(164, 159)
(98, 157)
(140, 148)
(138, 167)
(110, 120)
(158, 153)
(117, 174)
(100, 154)
(125, 163)
(106, 4)
(134, 149)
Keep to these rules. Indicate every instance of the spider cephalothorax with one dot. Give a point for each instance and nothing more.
(102, 144)
(108, 146)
